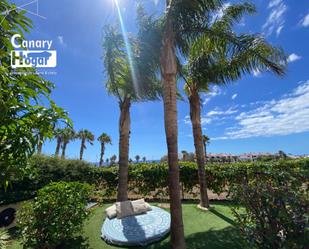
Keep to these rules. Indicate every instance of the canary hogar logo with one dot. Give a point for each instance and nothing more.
(32, 53)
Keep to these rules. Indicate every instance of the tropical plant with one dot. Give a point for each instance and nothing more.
(206, 141)
(21, 110)
(163, 39)
(137, 158)
(130, 81)
(58, 135)
(144, 159)
(184, 155)
(185, 22)
(85, 136)
(103, 139)
(221, 61)
(113, 159)
(55, 215)
(4, 239)
(67, 136)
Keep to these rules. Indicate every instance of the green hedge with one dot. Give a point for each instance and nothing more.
(146, 178)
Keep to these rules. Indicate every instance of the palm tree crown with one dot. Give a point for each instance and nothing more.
(103, 139)
(85, 136)
(68, 134)
(128, 85)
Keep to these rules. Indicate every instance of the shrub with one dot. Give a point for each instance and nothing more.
(54, 215)
(277, 207)
(4, 239)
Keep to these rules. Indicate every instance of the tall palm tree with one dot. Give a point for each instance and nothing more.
(58, 135)
(144, 159)
(103, 139)
(40, 143)
(182, 21)
(128, 85)
(113, 159)
(206, 141)
(222, 61)
(85, 136)
(137, 157)
(67, 136)
(184, 155)
(171, 36)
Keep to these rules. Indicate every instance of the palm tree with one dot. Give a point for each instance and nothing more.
(40, 143)
(103, 139)
(206, 140)
(144, 159)
(128, 85)
(183, 22)
(113, 159)
(184, 155)
(137, 157)
(58, 135)
(107, 161)
(222, 61)
(85, 136)
(67, 136)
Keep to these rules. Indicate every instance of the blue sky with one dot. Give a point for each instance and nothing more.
(260, 113)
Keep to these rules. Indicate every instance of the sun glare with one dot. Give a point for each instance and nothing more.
(128, 47)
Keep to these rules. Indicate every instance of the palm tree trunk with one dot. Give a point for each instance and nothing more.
(124, 131)
(102, 154)
(195, 115)
(64, 146)
(58, 147)
(40, 145)
(205, 152)
(82, 146)
(168, 71)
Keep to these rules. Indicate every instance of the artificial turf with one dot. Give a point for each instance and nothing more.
(213, 229)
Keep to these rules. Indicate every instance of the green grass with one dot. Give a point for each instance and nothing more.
(212, 230)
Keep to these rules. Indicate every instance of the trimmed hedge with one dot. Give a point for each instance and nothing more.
(146, 178)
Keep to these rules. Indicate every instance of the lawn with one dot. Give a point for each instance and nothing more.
(212, 230)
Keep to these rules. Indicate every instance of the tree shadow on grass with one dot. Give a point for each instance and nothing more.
(75, 243)
(227, 238)
(223, 217)
(78, 242)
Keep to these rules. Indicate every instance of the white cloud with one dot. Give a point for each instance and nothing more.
(275, 21)
(284, 116)
(187, 120)
(273, 3)
(218, 112)
(213, 92)
(305, 21)
(204, 120)
(234, 96)
(293, 57)
(61, 40)
(256, 73)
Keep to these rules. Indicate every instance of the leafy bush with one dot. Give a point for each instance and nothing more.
(4, 239)
(54, 215)
(277, 207)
